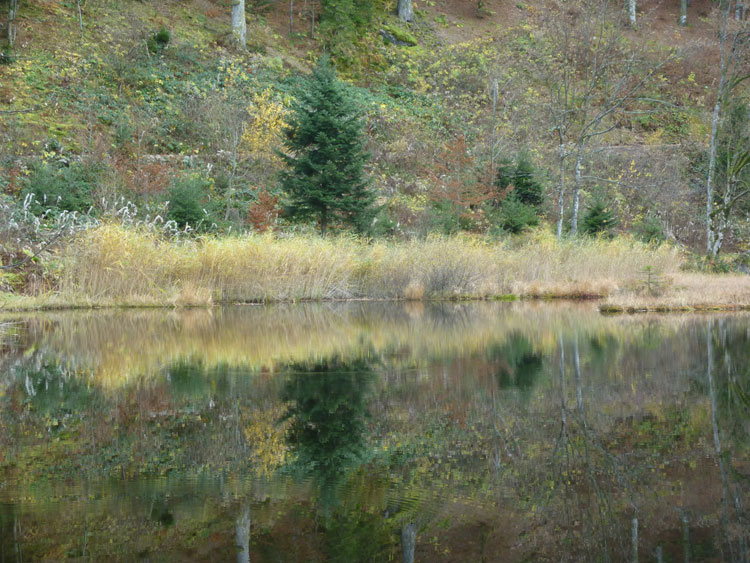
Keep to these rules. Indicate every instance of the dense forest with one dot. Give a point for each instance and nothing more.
(202, 118)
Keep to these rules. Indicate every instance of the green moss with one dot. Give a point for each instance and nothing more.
(401, 34)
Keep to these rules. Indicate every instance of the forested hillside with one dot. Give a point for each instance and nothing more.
(585, 117)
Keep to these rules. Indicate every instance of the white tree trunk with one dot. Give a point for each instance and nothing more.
(714, 131)
(631, 12)
(561, 192)
(683, 13)
(239, 25)
(576, 194)
(12, 14)
(408, 541)
(405, 11)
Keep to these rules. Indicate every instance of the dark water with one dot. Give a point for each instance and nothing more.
(374, 432)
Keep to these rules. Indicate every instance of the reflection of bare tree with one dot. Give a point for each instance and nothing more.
(408, 541)
(242, 533)
(588, 476)
(736, 533)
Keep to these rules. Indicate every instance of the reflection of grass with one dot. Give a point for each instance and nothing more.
(118, 347)
(111, 265)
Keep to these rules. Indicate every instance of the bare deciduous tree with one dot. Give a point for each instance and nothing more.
(592, 75)
(733, 47)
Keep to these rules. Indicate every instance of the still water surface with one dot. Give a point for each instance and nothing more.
(374, 432)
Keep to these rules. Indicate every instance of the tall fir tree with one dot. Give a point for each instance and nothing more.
(325, 179)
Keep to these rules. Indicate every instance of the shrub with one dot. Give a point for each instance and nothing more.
(649, 230)
(189, 202)
(513, 216)
(446, 217)
(159, 40)
(519, 178)
(599, 218)
(163, 36)
(63, 188)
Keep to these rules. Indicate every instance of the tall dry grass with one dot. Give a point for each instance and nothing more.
(115, 265)
(685, 292)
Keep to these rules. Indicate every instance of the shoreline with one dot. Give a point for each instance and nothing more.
(607, 305)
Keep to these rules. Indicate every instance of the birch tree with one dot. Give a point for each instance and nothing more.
(733, 49)
(239, 25)
(405, 10)
(732, 162)
(12, 16)
(408, 541)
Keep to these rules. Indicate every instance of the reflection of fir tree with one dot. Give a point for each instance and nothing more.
(328, 435)
(520, 364)
(328, 416)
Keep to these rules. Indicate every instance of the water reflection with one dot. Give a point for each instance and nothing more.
(373, 432)
(328, 415)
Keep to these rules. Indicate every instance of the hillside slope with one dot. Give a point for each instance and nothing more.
(141, 95)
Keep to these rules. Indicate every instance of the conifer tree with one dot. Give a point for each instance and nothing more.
(325, 179)
(599, 219)
(521, 176)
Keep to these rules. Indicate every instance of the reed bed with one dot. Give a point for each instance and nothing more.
(113, 265)
(684, 292)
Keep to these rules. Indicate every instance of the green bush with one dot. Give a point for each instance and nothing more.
(159, 40)
(446, 217)
(512, 216)
(163, 36)
(599, 218)
(521, 177)
(190, 204)
(649, 230)
(64, 188)
(7, 57)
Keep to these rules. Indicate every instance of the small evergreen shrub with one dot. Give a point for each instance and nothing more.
(190, 204)
(513, 216)
(159, 40)
(520, 179)
(599, 218)
(7, 57)
(163, 36)
(519, 198)
(649, 230)
(61, 188)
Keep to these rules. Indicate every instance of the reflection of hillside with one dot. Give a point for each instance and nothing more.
(483, 425)
(118, 346)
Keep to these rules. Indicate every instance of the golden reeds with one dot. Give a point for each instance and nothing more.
(112, 265)
(684, 292)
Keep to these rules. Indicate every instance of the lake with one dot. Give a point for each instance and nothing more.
(374, 431)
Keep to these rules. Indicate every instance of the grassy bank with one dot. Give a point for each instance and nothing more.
(115, 266)
(684, 292)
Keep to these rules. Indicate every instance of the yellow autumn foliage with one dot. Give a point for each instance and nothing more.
(262, 135)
